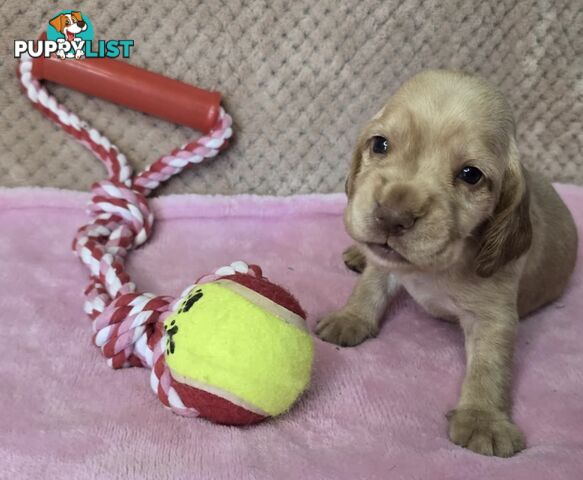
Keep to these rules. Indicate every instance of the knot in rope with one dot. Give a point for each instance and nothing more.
(113, 200)
(121, 219)
(128, 328)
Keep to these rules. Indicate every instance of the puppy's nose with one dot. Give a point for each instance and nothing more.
(81, 23)
(393, 221)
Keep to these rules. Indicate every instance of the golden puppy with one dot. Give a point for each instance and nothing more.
(439, 203)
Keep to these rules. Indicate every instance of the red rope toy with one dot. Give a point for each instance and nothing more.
(127, 325)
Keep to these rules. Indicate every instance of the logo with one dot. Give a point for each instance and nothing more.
(70, 35)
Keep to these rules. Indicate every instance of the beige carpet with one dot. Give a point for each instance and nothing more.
(300, 77)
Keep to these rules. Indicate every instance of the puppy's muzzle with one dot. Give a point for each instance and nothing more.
(393, 221)
(397, 208)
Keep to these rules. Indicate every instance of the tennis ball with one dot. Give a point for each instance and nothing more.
(238, 350)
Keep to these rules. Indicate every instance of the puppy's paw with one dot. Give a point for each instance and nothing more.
(354, 259)
(345, 329)
(488, 432)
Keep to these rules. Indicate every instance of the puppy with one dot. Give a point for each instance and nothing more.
(69, 24)
(439, 204)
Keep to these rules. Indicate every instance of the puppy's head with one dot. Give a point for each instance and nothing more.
(436, 174)
(69, 24)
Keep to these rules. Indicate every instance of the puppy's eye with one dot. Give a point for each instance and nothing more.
(471, 175)
(380, 144)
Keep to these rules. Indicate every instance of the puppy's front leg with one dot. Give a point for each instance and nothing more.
(361, 316)
(482, 419)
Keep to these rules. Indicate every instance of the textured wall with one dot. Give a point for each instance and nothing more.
(300, 78)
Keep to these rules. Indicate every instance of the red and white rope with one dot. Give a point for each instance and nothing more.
(127, 325)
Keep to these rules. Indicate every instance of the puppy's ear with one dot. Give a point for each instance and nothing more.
(355, 165)
(58, 23)
(77, 16)
(508, 233)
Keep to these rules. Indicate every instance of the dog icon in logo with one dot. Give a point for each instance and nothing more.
(69, 25)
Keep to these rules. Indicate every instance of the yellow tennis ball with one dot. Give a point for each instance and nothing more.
(238, 350)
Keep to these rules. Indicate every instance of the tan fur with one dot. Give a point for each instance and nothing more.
(482, 255)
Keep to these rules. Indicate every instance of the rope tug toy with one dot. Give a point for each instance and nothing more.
(233, 348)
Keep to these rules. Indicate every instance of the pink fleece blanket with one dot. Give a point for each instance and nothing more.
(373, 412)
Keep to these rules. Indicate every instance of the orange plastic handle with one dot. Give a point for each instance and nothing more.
(134, 87)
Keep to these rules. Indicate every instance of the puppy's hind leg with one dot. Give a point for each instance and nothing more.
(354, 259)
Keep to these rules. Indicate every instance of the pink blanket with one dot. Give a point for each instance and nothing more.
(373, 412)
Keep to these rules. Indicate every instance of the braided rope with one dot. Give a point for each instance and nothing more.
(127, 325)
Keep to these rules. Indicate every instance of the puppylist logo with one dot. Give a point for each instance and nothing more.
(70, 35)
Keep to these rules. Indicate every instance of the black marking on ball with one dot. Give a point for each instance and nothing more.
(171, 330)
(192, 298)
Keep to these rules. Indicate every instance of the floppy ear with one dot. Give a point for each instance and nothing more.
(508, 233)
(58, 23)
(355, 165)
(77, 16)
